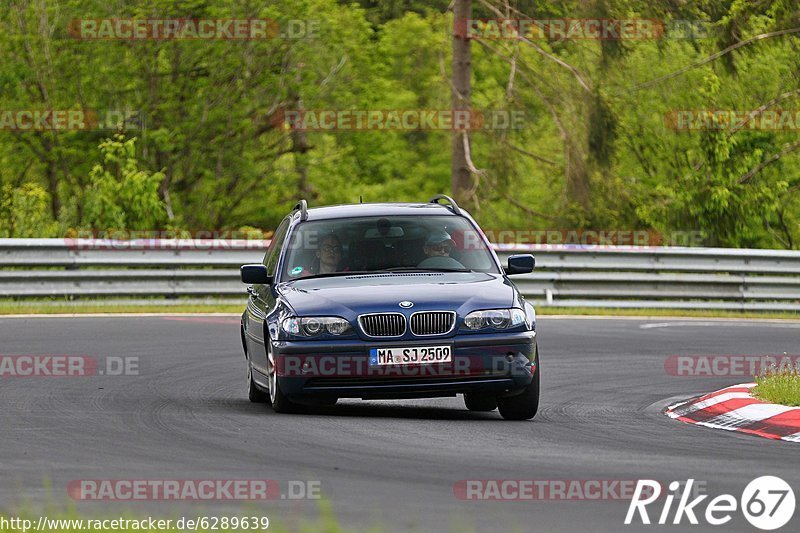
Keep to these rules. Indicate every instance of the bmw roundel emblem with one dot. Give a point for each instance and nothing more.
(405, 304)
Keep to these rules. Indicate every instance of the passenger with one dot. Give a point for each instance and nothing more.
(329, 256)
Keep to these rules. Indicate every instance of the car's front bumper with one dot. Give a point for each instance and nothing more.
(494, 364)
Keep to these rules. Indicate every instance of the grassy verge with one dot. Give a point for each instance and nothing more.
(87, 308)
(25, 307)
(691, 313)
(781, 387)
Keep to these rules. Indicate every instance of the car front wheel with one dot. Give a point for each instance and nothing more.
(525, 405)
(254, 394)
(280, 403)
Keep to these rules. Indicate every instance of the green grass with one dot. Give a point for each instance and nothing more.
(154, 305)
(86, 308)
(690, 313)
(781, 387)
(26, 306)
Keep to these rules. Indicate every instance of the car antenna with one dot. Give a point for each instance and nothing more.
(360, 199)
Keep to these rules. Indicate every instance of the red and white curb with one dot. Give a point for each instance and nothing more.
(735, 409)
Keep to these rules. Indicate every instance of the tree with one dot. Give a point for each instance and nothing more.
(461, 176)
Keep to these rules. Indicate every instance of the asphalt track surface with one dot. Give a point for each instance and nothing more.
(386, 463)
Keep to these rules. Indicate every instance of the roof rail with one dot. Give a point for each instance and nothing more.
(453, 204)
(302, 205)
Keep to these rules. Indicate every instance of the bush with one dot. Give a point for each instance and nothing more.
(121, 196)
(25, 212)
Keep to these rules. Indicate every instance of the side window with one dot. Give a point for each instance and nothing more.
(274, 252)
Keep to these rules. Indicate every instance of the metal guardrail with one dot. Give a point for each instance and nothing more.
(586, 276)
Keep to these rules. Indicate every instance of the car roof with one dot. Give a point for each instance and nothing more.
(377, 209)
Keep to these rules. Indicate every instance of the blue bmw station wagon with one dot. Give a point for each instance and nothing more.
(388, 301)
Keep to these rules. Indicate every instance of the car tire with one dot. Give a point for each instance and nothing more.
(254, 394)
(480, 403)
(522, 406)
(279, 401)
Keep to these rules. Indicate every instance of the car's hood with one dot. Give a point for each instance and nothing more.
(349, 296)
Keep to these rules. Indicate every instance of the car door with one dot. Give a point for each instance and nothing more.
(262, 301)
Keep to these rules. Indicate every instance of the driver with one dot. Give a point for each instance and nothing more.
(437, 250)
(439, 244)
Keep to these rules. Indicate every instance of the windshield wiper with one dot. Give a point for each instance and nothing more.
(334, 274)
(426, 269)
(381, 271)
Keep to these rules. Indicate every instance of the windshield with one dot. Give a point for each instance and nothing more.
(370, 244)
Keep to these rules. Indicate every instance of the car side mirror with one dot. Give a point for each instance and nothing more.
(520, 264)
(255, 274)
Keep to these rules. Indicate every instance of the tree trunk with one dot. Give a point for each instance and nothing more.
(300, 148)
(460, 179)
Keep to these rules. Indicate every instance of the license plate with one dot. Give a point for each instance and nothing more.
(412, 355)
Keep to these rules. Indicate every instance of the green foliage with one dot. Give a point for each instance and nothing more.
(24, 212)
(594, 149)
(120, 195)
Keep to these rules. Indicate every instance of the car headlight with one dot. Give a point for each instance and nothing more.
(494, 318)
(315, 326)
